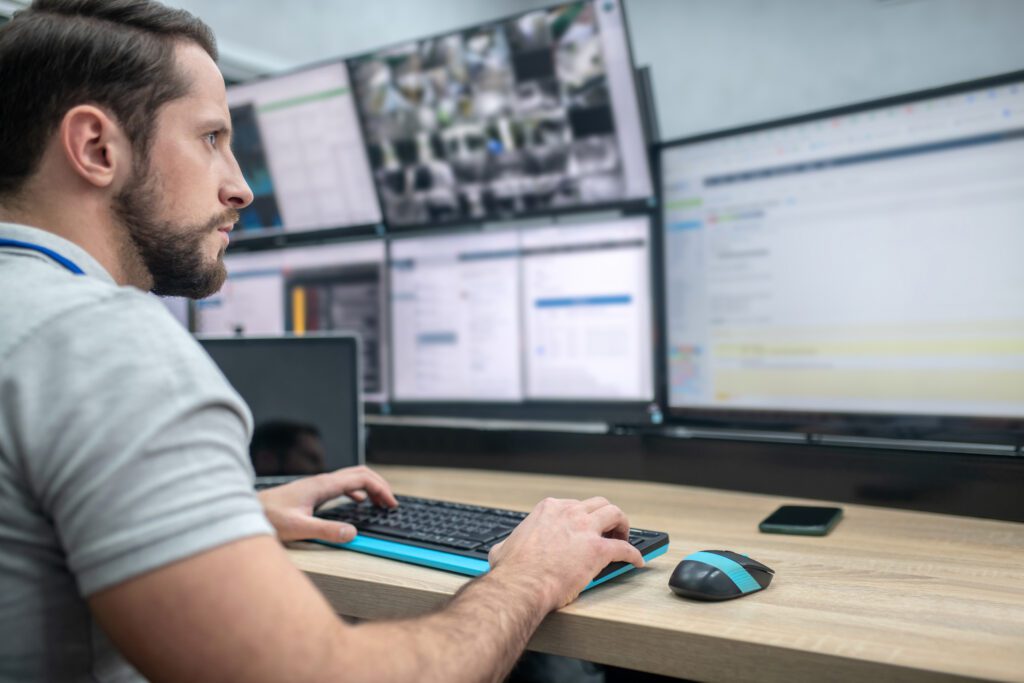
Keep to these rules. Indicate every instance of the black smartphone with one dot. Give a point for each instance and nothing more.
(801, 519)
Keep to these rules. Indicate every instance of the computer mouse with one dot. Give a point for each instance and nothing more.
(719, 575)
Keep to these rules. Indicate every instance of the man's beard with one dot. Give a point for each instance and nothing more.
(171, 253)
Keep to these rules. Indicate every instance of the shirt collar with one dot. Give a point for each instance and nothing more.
(66, 248)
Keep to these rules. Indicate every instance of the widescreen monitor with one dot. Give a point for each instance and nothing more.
(531, 114)
(533, 315)
(299, 145)
(300, 290)
(858, 262)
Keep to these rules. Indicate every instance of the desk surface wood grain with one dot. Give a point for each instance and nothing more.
(892, 595)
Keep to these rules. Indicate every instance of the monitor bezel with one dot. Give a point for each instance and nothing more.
(627, 204)
(955, 428)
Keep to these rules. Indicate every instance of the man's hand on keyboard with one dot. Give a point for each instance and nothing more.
(564, 544)
(290, 507)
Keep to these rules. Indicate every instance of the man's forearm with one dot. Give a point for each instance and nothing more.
(478, 636)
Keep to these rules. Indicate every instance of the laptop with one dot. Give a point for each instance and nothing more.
(305, 397)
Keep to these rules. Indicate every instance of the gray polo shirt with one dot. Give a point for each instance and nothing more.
(122, 449)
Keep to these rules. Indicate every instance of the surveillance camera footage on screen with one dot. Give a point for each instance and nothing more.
(529, 114)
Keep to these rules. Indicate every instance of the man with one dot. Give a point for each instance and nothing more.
(131, 542)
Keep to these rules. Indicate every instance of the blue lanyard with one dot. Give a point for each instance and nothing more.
(62, 260)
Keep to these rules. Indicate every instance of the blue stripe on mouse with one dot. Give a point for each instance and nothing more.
(719, 575)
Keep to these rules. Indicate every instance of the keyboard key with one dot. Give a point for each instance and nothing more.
(400, 532)
(492, 532)
(499, 538)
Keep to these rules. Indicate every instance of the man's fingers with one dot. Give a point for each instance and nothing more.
(299, 526)
(622, 551)
(357, 496)
(333, 484)
(611, 520)
(349, 480)
(375, 485)
(303, 528)
(595, 503)
(380, 491)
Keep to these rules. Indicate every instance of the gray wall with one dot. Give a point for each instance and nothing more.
(723, 63)
(716, 63)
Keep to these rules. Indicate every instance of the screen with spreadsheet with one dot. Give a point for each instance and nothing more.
(545, 313)
(298, 142)
(863, 261)
(332, 287)
(529, 114)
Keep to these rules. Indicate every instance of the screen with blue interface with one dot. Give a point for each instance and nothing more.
(528, 114)
(333, 287)
(298, 142)
(551, 313)
(868, 262)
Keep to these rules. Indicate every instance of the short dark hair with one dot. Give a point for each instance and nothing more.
(116, 54)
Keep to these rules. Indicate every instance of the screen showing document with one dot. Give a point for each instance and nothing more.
(869, 262)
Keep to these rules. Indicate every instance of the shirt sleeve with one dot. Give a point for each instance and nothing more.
(133, 442)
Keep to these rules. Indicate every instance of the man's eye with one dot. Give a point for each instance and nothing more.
(212, 138)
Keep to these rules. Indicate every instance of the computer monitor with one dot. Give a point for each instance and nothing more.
(545, 319)
(298, 142)
(854, 263)
(530, 114)
(304, 396)
(328, 287)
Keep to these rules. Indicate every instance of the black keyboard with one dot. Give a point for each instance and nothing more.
(457, 528)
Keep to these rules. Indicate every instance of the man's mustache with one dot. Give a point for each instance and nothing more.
(230, 216)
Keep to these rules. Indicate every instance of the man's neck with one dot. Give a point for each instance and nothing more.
(91, 228)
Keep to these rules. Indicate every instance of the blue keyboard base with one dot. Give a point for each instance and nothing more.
(449, 561)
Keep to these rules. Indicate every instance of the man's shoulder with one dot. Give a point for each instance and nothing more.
(86, 355)
(40, 305)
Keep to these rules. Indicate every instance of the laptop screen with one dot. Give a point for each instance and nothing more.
(304, 395)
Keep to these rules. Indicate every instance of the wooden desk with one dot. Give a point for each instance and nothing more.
(888, 595)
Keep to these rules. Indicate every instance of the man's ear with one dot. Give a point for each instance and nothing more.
(94, 145)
